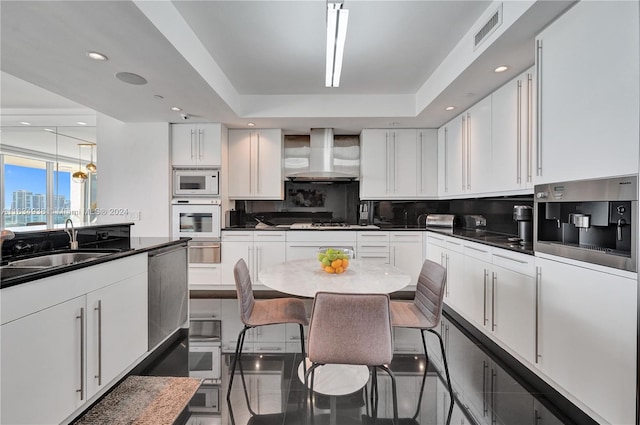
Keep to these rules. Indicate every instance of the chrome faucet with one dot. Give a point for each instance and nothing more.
(73, 234)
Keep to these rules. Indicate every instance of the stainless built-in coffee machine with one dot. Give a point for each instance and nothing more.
(589, 220)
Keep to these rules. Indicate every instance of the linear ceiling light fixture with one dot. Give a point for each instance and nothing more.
(337, 19)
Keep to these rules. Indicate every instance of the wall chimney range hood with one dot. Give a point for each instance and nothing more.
(322, 157)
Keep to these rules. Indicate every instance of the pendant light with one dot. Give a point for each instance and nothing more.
(79, 176)
(91, 167)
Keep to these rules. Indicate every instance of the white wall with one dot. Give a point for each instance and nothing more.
(134, 174)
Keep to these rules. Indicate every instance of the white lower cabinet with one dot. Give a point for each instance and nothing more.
(236, 245)
(305, 244)
(269, 248)
(587, 334)
(447, 251)
(373, 246)
(406, 252)
(55, 343)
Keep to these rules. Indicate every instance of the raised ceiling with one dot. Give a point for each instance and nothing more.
(263, 61)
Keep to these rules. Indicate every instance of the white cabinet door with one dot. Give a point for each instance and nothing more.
(117, 329)
(451, 159)
(255, 164)
(513, 310)
(305, 244)
(267, 253)
(374, 147)
(478, 147)
(373, 246)
(235, 245)
(427, 163)
(402, 158)
(43, 365)
(512, 134)
(473, 298)
(587, 322)
(406, 253)
(587, 109)
(196, 145)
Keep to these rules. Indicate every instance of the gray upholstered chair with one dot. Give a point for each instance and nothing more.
(353, 329)
(261, 313)
(425, 312)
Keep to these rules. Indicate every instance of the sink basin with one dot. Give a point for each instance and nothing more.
(58, 259)
(7, 272)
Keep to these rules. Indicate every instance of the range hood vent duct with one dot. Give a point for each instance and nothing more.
(322, 157)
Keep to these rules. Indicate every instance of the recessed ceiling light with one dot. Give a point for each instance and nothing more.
(97, 56)
(157, 96)
(501, 68)
(49, 130)
(25, 123)
(250, 124)
(394, 124)
(131, 78)
(175, 108)
(81, 123)
(449, 108)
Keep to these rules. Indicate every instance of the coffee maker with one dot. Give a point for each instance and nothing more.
(523, 215)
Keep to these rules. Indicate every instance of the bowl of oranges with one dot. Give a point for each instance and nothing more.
(334, 260)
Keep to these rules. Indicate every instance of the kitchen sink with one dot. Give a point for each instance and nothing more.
(7, 272)
(57, 259)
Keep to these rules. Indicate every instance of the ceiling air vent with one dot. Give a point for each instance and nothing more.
(487, 29)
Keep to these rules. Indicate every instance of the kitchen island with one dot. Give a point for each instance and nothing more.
(74, 329)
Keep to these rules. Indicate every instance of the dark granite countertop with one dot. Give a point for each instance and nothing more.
(136, 245)
(499, 240)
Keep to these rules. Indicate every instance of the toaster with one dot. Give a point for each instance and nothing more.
(440, 220)
(474, 221)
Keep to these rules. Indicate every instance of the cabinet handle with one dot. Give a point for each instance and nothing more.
(464, 150)
(519, 133)
(386, 146)
(512, 259)
(258, 166)
(493, 395)
(477, 249)
(485, 408)
(442, 259)
(454, 243)
(251, 162)
(393, 164)
(529, 124)
(447, 283)
(81, 317)
(420, 146)
(539, 107)
(200, 144)
(494, 277)
(99, 310)
(537, 355)
(269, 349)
(484, 300)
(468, 151)
(446, 159)
(373, 246)
(192, 144)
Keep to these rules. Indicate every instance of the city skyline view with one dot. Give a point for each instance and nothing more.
(32, 180)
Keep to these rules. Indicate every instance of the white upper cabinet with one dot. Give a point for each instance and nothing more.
(427, 163)
(477, 147)
(465, 152)
(255, 164)
(587, 69)
(512, 132)
(398, 164)
(196, 145)
(450, 158)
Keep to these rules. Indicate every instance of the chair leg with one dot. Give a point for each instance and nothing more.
(374, 393)
(444, 361)
(308, 392)
(237, 361)
(303, 351)
(424, 375)
(395, 393)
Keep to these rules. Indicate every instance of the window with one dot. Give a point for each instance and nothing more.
(37, 188)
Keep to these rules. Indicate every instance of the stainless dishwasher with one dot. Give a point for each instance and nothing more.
(168, 292)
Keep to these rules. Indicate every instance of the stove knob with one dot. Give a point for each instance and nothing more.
(542, 195)
(621, 209)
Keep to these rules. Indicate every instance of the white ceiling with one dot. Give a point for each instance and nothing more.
(260, 61)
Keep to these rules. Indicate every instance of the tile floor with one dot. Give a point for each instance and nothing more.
(485, 391)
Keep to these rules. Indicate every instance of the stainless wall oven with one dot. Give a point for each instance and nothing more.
(589, 220)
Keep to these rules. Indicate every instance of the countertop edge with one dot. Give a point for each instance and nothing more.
(53, 271)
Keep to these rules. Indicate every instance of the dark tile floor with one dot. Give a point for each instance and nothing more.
(486, 390)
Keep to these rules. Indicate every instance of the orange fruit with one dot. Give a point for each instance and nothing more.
(336, 263)
(329, 269)
(340, 269)
(345, 263)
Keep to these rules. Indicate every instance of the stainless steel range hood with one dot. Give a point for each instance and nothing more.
(322, 157)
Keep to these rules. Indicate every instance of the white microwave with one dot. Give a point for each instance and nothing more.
(196, 182)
